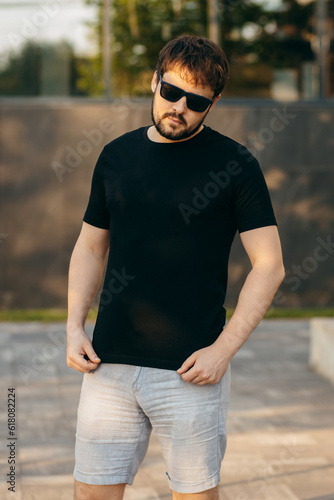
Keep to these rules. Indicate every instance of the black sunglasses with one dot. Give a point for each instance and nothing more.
(172, 93)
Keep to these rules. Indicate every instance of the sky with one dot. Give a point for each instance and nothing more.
(47, 20)
(54, 20)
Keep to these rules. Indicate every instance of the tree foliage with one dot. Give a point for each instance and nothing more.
(257, 40)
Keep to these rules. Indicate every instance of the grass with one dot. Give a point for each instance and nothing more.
(42, 315)
(305, 313)
(55, 315)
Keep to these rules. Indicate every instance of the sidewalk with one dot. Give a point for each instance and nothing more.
(280, 421)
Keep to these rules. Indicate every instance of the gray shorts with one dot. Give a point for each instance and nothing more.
(119, 406)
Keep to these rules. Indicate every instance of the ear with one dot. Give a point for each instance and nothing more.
(154, 82)
(215, 101)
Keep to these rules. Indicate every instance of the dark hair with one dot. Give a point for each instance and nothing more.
(201, 61)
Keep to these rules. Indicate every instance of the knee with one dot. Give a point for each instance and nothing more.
(84, 491)
(211, 494)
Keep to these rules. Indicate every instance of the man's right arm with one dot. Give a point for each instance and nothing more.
(85, 274)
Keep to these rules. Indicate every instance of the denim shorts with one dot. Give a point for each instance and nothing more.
(120, 404)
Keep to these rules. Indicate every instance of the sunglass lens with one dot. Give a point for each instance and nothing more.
(172, 94)
(197, 103)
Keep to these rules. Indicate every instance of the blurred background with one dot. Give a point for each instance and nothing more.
(75, 74)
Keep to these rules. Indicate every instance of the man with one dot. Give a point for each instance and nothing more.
(166, 201)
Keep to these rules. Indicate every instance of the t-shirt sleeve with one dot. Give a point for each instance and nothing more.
(251, 200)
(97, 213)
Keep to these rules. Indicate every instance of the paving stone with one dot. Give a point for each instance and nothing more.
(280, 420)
(258, 490)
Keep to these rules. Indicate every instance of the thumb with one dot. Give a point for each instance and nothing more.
(88, 348)
(187, 364)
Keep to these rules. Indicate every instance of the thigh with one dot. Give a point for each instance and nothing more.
(112, 430)
(190, 421)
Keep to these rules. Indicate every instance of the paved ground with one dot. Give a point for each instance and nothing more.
(280, 423)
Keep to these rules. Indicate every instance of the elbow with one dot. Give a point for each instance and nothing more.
(274, 270)
(277, 272)
(280, 273)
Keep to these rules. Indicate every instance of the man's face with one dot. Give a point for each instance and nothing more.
(174, 121)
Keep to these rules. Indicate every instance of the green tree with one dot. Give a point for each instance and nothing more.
(21, 75)
(281, 40)
(42, 69)
(139, 29)
(257, 41)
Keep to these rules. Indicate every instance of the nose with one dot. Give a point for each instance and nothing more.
(180, 106)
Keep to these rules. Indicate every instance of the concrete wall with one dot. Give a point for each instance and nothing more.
(46, 171)
(321, 353)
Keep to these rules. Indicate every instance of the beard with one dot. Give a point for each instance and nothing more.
(172, 132)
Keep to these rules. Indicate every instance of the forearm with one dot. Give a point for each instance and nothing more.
(254, 300)
(85, 274)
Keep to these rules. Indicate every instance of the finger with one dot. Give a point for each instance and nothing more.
(194, 377)
(88, 348)
(85, 368)
(89, 365)
(205, 381)
(190, 375)
(78, 362)
(201, 382)
(194, 380)
(188, 363)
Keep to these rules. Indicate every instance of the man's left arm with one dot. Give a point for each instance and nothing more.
(208, 365)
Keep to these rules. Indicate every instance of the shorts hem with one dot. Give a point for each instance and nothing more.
(102, 479)
(196, 487)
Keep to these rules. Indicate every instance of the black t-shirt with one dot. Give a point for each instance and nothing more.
(172, 210)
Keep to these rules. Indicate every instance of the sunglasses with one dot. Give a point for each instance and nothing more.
(172, 93)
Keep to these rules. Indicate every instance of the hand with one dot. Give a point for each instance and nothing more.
(206, 366)
(79, 344)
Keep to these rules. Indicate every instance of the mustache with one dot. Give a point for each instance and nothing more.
(176, 116)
